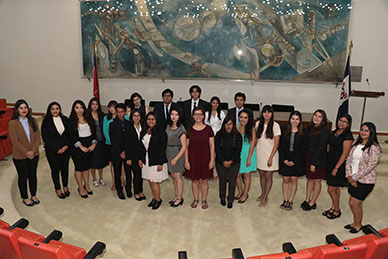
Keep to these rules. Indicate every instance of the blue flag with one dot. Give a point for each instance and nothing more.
(343, 107)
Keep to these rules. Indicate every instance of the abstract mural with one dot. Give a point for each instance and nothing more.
(217, 39)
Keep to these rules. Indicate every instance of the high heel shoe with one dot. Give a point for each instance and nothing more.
(151, 203)
(157, 204)
(310, 207)
(82, 196)
(28, 204)
(61, 195)
(67, 193)
(242, 201)
(333, 216)
(90, 193)
(174, 205)
(138, 198)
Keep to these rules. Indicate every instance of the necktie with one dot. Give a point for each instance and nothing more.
(195, 105)
(166, 112)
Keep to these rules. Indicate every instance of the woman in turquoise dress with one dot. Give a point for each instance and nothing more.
(248, 155)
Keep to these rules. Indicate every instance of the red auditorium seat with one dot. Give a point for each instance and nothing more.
(303, 255)
(4, 224)
(377, 246)
(384, 232)
(5, 144)
(52, 250)
(9, 247)
(331, 251)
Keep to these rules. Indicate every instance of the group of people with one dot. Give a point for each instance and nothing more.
(195, 139)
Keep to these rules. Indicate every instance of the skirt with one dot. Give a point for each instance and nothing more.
(320, 173)
(99, 158)
(82, 161)
(362, 190)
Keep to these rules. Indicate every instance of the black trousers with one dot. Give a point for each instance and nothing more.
(59, 164)
(227, 175)
(117, 164)
(137, 179)
(26, 169)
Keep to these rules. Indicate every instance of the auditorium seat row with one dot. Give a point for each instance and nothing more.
(5, 117)
(18, 243)
(373, 245)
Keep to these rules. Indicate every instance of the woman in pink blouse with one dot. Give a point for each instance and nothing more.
(361, 171)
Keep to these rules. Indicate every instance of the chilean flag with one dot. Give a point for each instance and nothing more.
(96, 91)
(343, 108)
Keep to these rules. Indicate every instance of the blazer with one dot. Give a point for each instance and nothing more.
(159, 111)
(101, 124)
(50, 135)
(19, 140)
(232, 112)
(156, 148)
(300, 145)
(74, 136)
(367, 167)
(317, 146)
(132, 144)
(228, 147)
(118, 137)
(186, 107)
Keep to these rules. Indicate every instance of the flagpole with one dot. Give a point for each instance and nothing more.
(350, 49)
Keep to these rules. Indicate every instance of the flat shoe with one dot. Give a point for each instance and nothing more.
(36, 202)
(354, 231)
(95, 184)
(204, 205)
(194, 204)
(333, 216)
(102, 183)
(242, 201)
(29, 204)
(61, 196)
(348, 226)
(237, 197)
(324, 213)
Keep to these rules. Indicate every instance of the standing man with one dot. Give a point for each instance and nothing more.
(119, 134)
(239, 100)
(195, 101)
(162, 110)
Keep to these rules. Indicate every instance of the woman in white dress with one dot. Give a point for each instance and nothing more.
(267, 156)
(214, 117)
(153, 160)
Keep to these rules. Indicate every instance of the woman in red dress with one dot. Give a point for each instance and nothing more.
(199, 157)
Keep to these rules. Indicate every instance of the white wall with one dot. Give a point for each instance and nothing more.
(40, 60)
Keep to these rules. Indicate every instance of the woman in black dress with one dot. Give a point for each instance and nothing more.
(292, 150)
(83, 141)
(137, 102)
(316, 158)
(55, 135)
(99, 159)
(340, 143)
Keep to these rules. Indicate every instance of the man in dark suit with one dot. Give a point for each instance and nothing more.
(239, 100)
(162, 110)
(195, 101)
(119, 134)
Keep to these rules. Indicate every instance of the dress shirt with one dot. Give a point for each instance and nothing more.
(59, 124)
(26, 127)
(168, 109)
(237, 112)
(192, 104)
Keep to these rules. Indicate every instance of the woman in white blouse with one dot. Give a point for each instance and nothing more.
(83, 141)
(55, 135)
(215, 116)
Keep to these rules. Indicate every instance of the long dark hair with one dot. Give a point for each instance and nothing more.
(15, 115)
(372, 140)
(179, 121)
(155, 129)
(260, 128)
(314, 130)
(249, 127)
(131, 105)
(226, 120)
(74, 118)
(99, 111)
(300, 126)
(110, 104)
(48, 112)
(349, 119)
(218, 109)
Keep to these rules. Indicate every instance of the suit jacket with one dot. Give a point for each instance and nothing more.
(318, 148)
(19, 140)
(232, 112)
(159, 110)
(186, 107)
(50, 135)
(300, 145)
(132, 145)
(118, 136)
(156, 148)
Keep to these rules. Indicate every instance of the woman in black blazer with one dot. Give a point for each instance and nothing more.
(152, 157)
(55, 135)
(292, 150)
(316, 158)
(83, 140)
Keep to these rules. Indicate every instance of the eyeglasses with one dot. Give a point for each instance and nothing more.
(151, 119)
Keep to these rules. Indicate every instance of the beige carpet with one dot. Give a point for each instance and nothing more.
(131, 230)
